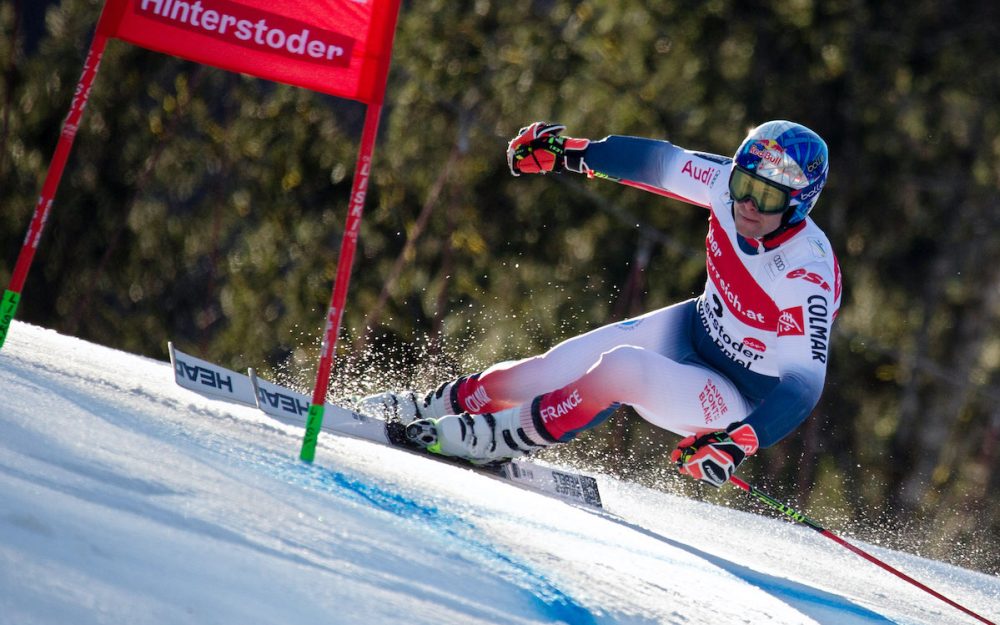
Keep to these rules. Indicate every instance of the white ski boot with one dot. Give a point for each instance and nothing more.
(406, 407)
(480, 439)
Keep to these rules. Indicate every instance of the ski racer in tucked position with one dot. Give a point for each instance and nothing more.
(732, 371)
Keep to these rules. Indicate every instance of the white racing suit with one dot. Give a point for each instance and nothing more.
(753, 347)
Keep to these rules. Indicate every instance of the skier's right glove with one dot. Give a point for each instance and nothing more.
(538, 149)
(714, 457)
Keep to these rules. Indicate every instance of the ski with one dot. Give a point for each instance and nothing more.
(292, 408)
(210, 379)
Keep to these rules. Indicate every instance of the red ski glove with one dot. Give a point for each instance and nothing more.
(538, 149)
(714, 457)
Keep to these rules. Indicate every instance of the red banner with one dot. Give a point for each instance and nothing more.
(340, 47)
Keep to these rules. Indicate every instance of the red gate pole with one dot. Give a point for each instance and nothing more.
(12, 295)
(339, 296)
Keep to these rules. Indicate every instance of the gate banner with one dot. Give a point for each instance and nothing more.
(339, 47)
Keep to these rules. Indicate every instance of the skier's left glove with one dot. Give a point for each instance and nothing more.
(714, 457)
(539, 149)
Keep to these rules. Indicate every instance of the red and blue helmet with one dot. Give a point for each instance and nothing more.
(789, 155)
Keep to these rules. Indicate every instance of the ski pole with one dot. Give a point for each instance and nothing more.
(795, 515)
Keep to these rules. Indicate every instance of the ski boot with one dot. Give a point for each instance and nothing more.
(406, 406)
(480, 439)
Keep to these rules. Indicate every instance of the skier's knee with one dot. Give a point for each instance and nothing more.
(623, 360)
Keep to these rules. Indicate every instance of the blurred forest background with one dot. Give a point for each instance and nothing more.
(207, 208)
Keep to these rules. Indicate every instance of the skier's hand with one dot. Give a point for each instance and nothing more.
(539, 149)
(714, 457)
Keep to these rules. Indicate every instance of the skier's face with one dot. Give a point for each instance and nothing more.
(751, 223)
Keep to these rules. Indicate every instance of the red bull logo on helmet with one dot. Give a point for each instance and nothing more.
(767, 150)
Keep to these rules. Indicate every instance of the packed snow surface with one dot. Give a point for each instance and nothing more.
(126, 499)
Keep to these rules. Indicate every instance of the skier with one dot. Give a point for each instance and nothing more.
(731, 371)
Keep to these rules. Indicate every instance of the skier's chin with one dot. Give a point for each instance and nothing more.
(749, 227)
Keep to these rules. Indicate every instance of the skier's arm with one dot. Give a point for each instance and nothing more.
(808, 307)
(649, 164)
(714, 457)
(786, 406)
(657, 166)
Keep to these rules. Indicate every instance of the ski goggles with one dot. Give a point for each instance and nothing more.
(770, 197)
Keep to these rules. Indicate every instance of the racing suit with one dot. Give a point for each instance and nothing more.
(753, 347)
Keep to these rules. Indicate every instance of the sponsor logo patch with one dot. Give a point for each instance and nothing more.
(756, 344)
(817, 247)
(253, 28)
(283, 401)
(629, 325)
(203, 375)
(743, 296)
(713, 405)
(776, 266)
(819, 327)
(551, 413)
(809, 276)
(704, 175)
(477, 400)
(791, 322)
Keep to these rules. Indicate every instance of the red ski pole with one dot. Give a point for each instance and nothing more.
(795, 515)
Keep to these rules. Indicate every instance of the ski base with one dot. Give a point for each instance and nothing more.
(293, 408)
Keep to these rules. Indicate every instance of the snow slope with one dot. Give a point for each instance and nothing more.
(125, 499)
